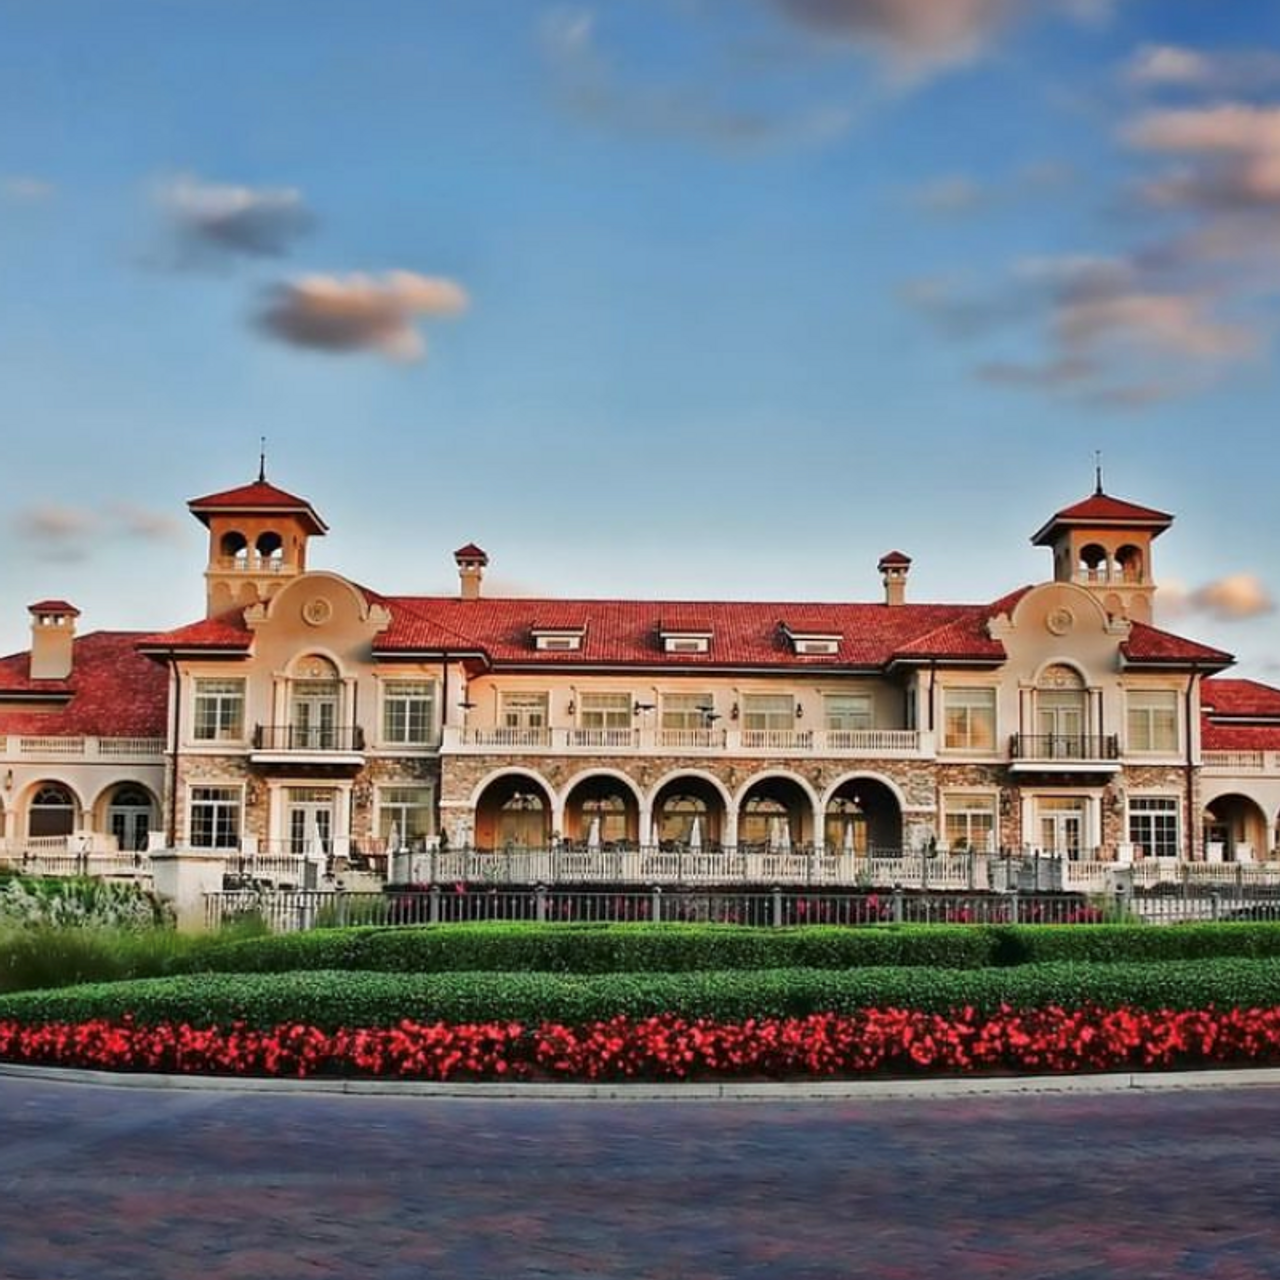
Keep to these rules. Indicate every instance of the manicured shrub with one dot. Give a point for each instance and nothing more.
(330, 999)
(612, 948)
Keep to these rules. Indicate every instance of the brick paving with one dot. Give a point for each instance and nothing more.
(140, 1184)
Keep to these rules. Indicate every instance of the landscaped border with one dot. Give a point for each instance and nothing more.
(869, 1042)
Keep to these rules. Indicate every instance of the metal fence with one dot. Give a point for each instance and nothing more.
(288, 910)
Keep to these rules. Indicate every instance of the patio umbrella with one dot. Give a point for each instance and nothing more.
(593, 836)
(784, 835)
(775, 834)
(848, 835)
(315, 841)
(393, 839)
(695, 834)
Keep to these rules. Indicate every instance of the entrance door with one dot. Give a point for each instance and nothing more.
(315, 715)
(129, 819)
(1062, 826)
(310, 819)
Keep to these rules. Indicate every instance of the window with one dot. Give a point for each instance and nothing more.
(848, 712)
(1152, 720)
(1153, 825)
(405, 815)
(970, 718)
(970, 822)
(604, 711)
(215, 817)
(687, 710)
(524, 710)
(53, 812)
(219, 710)
(764, 711)
(408, 712)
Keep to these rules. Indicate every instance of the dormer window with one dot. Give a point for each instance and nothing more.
(687, 638)
(812, 642)
(558, 639)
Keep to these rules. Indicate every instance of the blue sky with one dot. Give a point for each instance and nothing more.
(647, 297)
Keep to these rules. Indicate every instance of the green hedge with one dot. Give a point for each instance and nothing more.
(685, 948)
(329, 999)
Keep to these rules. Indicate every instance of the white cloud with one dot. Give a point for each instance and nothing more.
(360, 312)
(1233, 598)
(1234, 71)
(222, 220)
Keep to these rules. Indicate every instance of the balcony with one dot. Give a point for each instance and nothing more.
(715, 741)
(1064, 753)
(56, 747)
(310, 744)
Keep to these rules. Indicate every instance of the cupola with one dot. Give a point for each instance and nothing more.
(1104, 545)
(257, 541)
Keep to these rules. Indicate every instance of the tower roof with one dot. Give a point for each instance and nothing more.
(257, 498)
(1101, 511)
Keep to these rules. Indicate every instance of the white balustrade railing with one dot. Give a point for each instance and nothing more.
(689, 739)
(1238, 761)
(603, 739)
(789, 740)
(75, 746)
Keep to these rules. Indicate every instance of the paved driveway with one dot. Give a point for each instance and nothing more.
(133, 1184)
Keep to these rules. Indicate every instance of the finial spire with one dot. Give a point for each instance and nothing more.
(1097, 471)
(262, 460)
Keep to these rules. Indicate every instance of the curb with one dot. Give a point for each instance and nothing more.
(728, 1091)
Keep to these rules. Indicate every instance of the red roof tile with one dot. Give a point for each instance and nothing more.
(1151, 645)
(224, 631)
(1240, 700)
(114, 691)
(894, 558)
(258, 496)
(471, 552)
(1102, 509)
(1240, 737)
(53, 606)
(622, 632)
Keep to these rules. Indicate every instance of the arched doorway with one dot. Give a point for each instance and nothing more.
(130, 817)
(689, 812)
(513, 812)
(1235, 830)
(52, 811)
(774, 815)
(602, 810)
(863, 816)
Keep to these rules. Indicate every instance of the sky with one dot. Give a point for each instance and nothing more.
(649, 298)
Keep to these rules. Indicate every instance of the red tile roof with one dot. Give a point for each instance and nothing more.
(113, 691)
(1240, 700)
(256, 497)
(53, 606)
(471, 552)
(1150, 645)
(225, 631)
(1102, 509)
(1240, 737)
(626, 632)
(894, 558)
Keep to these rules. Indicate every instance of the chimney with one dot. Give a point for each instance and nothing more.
(894, 568)
(53, 633)
(471, 562)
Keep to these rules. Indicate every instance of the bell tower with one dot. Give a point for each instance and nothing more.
(1104, 545)
(257, 541)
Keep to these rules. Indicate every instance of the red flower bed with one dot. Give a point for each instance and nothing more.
(885, 1041)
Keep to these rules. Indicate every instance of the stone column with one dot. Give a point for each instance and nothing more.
(183, 876)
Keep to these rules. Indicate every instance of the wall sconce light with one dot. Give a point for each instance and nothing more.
(799, 710)
(572, 708)
(1006, 804)
(733, 712)
(1117, 801)
(8, 780)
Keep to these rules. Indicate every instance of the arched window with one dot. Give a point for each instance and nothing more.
(315, 700)
(52, 812)
(269, 550)
(234, 547)
(1129, 563)
(677, 817)
(1093, 563)
(1061, 712)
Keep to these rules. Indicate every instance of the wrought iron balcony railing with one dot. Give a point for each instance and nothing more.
(292, 737)
(1047, 747)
